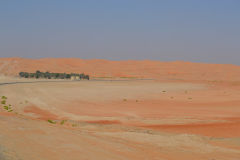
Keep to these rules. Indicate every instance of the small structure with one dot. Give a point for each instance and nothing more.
(75, 78)
(72, 78)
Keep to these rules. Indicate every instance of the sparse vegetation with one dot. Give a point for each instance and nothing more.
(62, 122)
(74, 125)
(129, 77)
(49, 75)
(51, 121)
(4, 97)
(4, 102)
(6, 107)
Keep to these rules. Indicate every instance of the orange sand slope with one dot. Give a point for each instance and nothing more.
(130, 120)
(130, 68)
(183, 111)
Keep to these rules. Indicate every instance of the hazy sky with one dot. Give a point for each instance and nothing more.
(166, 30)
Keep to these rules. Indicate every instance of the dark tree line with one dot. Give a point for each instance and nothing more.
(49, 75)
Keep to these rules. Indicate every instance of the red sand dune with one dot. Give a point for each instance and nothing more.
(191, 121)
(43, 114)
(229, 129)
(130, 68)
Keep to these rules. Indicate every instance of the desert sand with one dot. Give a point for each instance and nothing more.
(179, 70)
(128, 110)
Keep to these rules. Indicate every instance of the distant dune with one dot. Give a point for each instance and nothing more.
(177, 70)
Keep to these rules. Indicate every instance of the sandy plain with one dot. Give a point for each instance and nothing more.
(127, 118)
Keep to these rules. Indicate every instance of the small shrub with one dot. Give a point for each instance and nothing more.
(51, 121)
(4, 97)
(62, 122)
(164, 91)
(74, 125)
(6, 107)
(3, 102)
(124, 100)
